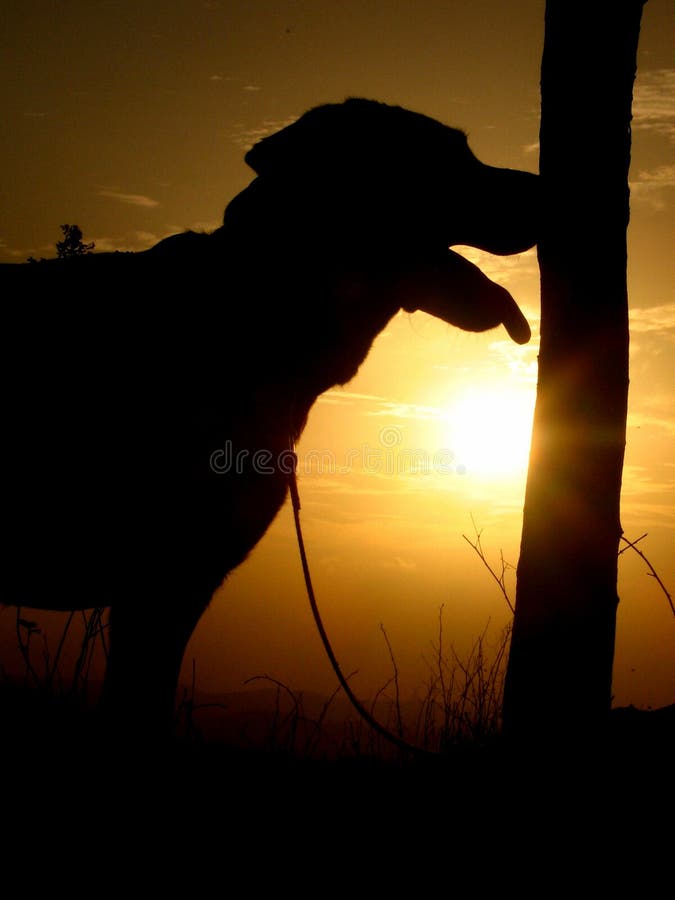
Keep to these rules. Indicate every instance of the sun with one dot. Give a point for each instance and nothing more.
(489, 430)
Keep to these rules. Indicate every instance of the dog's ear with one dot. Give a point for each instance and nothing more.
(325, 134)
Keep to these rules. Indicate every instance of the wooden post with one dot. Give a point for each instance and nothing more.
(558, 681)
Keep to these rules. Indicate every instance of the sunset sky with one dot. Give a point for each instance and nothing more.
(131, 119)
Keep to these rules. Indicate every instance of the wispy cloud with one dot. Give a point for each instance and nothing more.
(111, 244)
(131, 199)
(236, 80)
(395, 410)
(400, 564)
(137, 240)
(347, 398)
(521, 359)
(654, 102)
(657, 479)
(650, 186)
(653, 319)
(657, 415)
(146, 238)
(380, 406)
(246, 137)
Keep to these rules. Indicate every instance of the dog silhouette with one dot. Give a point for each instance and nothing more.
(130, 379)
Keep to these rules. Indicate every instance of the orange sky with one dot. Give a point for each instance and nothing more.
(131, 119)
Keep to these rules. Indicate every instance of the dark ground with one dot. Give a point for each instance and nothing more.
(250, 742)
(88, 815)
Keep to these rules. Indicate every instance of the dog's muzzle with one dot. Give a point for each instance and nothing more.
(502, 212)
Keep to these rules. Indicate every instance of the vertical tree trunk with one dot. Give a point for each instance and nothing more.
(560, 666)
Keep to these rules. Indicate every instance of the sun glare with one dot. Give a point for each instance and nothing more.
(490, 429)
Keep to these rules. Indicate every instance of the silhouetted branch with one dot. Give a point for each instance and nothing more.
(652, 570)
(24, 645)
(397, 693)
(505, 566)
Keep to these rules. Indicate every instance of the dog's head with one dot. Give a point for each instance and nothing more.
(378, 194)
(383, 168)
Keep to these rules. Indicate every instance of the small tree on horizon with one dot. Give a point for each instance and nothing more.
(72, 244)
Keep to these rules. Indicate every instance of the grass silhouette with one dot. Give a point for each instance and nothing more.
(458, 707)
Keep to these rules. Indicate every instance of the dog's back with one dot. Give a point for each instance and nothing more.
(113, 365)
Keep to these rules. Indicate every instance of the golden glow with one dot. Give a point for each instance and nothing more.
(490, 429)
(385, 539)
